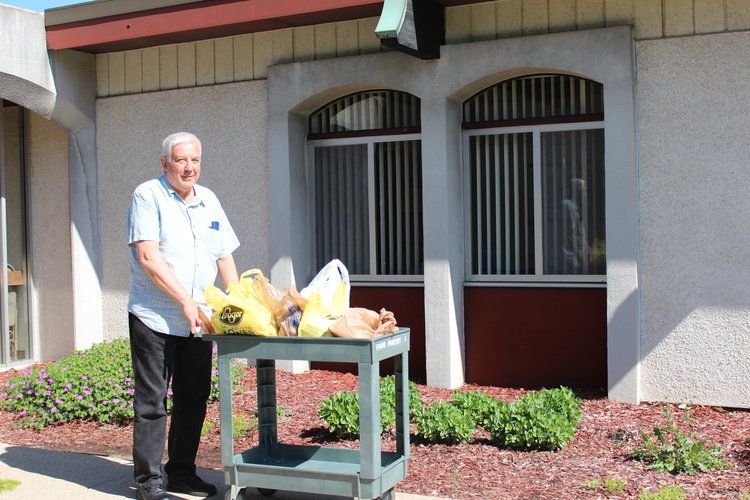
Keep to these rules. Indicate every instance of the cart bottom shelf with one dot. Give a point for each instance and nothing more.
(313, 469)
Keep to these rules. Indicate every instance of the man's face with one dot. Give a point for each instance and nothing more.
(184, 167)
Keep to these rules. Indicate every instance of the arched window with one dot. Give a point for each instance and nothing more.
(365, 180)
(534, 156)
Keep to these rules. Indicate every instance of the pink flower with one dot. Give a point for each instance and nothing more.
(53, 409)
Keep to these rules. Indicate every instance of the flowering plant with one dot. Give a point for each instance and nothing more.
(93, 384)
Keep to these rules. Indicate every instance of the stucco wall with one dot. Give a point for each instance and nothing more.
(603, 55)
(50, 238)
(694, 123)
(25, 74)
(230, 120)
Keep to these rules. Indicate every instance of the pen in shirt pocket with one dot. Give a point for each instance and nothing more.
(215, 224)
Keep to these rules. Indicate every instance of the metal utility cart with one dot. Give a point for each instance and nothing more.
(364, 473)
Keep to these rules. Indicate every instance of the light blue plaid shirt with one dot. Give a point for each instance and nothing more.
(192, 237)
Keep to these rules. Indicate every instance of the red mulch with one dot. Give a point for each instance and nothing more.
(607, 434)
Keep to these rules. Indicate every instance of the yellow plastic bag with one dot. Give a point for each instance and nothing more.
(256, 285)
(319, 316)
(236, 312)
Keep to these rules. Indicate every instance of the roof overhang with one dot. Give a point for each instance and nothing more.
(114, 25)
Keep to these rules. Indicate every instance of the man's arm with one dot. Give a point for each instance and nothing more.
(227, 270)
(159, 272)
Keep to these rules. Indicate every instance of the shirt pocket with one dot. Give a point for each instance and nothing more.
(214, 242)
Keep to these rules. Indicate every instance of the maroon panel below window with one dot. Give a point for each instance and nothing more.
(536, 337)
(407, 303)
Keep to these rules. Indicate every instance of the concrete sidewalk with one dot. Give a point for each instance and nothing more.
(56, 475)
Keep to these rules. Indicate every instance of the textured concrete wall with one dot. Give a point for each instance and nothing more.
(25, 73)
(231, 122)
(50, 238)
(694, 118)
(604, 55)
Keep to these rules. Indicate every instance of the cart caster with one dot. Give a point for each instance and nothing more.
(266, 492)
(235, 493)
(388, 495)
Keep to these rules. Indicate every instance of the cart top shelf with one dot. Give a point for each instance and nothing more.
(312, 348)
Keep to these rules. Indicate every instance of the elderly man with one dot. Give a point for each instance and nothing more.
(179, 238)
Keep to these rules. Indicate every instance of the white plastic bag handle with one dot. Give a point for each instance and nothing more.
(327, 279)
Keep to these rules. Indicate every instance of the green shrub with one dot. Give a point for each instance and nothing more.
(207, 427)
(476, 404)
(9, 485)
(665, 493)
(673, 450)
(388, 401)
(92, 384)
(341, 411)
(240, 425)
(592, 484)
(442, 422)
(614, 486)
(543, 420)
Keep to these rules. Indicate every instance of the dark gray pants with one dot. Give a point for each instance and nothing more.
(156, 358)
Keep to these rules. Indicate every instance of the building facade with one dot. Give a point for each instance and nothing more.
(557, 199)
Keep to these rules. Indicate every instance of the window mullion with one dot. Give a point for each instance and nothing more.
(538, 234)
(372, 206)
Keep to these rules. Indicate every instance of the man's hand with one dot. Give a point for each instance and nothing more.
(205, 322)
(190, 310)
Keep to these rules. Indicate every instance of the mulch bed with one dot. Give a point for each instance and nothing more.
(607, 434)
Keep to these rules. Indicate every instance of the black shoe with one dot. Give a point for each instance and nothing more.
(192, 485)
(151, 491)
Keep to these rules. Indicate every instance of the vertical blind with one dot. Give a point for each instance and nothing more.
(536, 96)
(502, 207)
(569, 238)
(398, 212)
(371, 110)
(382, 235)
(573, 205)
(341, 207)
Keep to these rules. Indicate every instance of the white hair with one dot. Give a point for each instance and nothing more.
(176, 139)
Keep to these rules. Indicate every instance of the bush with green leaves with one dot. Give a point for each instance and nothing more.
(541, 420)
(91, 384)
(341, 410)
(673, 450)
(476, 404)
(9, 485)
(442, 422)
(615, 486)
(241, 425)
(665, 493)
(388, 400)
(341, 413)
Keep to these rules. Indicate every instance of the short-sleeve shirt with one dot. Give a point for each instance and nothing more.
(192, 237)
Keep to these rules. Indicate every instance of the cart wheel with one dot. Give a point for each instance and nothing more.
(240, 494)
(266, 492)
(388, 495)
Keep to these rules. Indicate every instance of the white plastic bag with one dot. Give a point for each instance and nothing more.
(327, 282)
